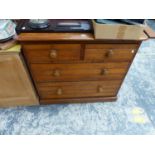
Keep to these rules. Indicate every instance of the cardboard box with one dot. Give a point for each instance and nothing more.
(117, 31)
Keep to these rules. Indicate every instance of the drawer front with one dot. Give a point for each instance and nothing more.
(57, 90)
(52, 53)
(112, 46)
(110, 52)
(78, 72)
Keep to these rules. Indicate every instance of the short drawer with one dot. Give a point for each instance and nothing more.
(110, 52)
(52, 53)
(78, 72)
(57, 90)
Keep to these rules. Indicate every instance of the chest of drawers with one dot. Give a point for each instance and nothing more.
(69, 69)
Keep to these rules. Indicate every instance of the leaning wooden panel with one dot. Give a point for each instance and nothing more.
(15, 86)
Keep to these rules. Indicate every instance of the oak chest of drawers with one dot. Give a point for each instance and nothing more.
(76, 67)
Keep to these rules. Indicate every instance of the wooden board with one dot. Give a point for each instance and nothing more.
(52, 53)
(78, 100)
(27, 37)
(15, 86)
(56, 90)
(78, 77)
(149, 32)
(54, 36)
(78, 72)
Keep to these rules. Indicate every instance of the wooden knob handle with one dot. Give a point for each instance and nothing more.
(59, 91)
(53, 54)
(104, 71)
(56, 72)
(110, 53)
(133, 51)
(100, 89)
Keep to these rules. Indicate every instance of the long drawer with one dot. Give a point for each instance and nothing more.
(78, 72)
(50, 53)
(110, 52)
(58, 90)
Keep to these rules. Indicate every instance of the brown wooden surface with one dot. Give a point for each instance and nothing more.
(63, 37)
(78, 89)
(111, 46)
(78, 72)
(102, 55)
(110, 52)
(15, 86)
(54, 36)
(79, 69)
(150, 32)
(74, 52)
(52, 53)
(78, 100)
(52, 46)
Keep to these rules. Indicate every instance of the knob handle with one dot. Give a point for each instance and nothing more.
(56, 72)
(100, 89)
(53, 54)
(59, 91)
(104, 71)
(110, 53)
(133, 51)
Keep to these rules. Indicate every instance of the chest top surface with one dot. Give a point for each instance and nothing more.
(67, 37)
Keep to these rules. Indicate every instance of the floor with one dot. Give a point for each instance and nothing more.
(132, 113)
